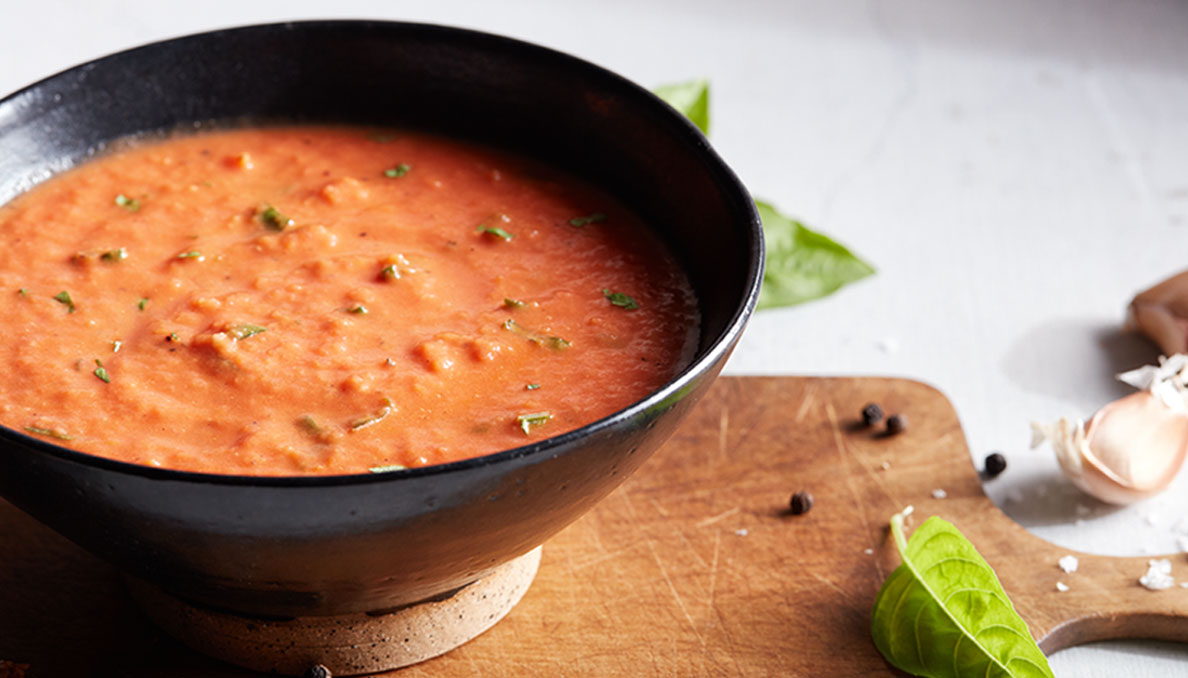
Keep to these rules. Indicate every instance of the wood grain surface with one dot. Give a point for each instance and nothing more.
(692, 568)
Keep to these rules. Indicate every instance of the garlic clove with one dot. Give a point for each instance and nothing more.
(1161, 313)
(1130, 450)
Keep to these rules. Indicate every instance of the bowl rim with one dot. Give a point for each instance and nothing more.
(700, 363)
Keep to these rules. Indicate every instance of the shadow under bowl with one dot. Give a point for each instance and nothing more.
(302, 546)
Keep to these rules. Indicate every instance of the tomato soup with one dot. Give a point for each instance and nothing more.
(321, 300)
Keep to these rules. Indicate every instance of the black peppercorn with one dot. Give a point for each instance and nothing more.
(800, 503)
(896, 423)
(318, 671)
(871, 414)
(995, 464)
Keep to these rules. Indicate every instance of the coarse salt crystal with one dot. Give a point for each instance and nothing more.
(869, 552)
(886, 466)
(1069, 563)
(938, 493)
(1061, 586)
(907, 510)
(742, 532)
(1158, 576)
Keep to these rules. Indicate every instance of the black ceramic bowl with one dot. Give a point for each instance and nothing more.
(282, 547)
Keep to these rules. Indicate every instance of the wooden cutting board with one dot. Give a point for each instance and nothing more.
(692, 568)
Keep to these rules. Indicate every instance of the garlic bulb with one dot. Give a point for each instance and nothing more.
(1133, 447)
(1161, 313)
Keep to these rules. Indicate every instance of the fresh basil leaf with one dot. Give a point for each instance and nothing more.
(942, 613)
(802, 264)
(690, 98)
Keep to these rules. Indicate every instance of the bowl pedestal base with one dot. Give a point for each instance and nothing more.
(347, 644)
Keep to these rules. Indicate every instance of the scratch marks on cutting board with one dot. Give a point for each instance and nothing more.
(705, 522)
(664, 573)
(806, 403)
(723, 429)
(840, 444)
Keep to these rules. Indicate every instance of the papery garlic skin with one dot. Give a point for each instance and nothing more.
(1130, 450)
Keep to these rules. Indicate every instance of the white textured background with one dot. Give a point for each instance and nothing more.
(1016, 170)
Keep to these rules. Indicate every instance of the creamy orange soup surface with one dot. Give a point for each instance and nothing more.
(322, 300)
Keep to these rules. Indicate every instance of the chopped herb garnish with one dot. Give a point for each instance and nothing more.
(101, 371)
(192, 254)
(115, 346)
(495, 231)
(531, 387)
(49, 432)
(142, 303)
(312, 428)
(513, 303)
(390, 272)
(63, 298)
(24, 291)
(118, 254)
(397, 171)
(387, 469)
(172, 337)
(621, 300)
(273, 219)
(130, 204)
(591, 219)
(359, 309)
(545, 340)
(527, 421)
(245, 331)
(364, 422)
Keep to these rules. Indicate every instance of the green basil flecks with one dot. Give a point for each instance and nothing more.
(118, 254)
(101, 372)
(544, 340)
(130, 204)
(495, 231)
(245, 331)
(49, 433)
(192, 254)
(387, 469)
(512, 303)
(621, 300)
(312, 428)
(802, 264)
(591, 219)
(358, 309)
(691, 99)
(531, 387)
(942, 613)
(372, 419)
(529, 421)
(63, 298)
(24, 291)
(273, 219)
(142, 303)
(397, 171)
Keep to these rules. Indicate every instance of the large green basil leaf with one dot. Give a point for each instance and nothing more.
(802, 264)
(942, 613)
(691, 99)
